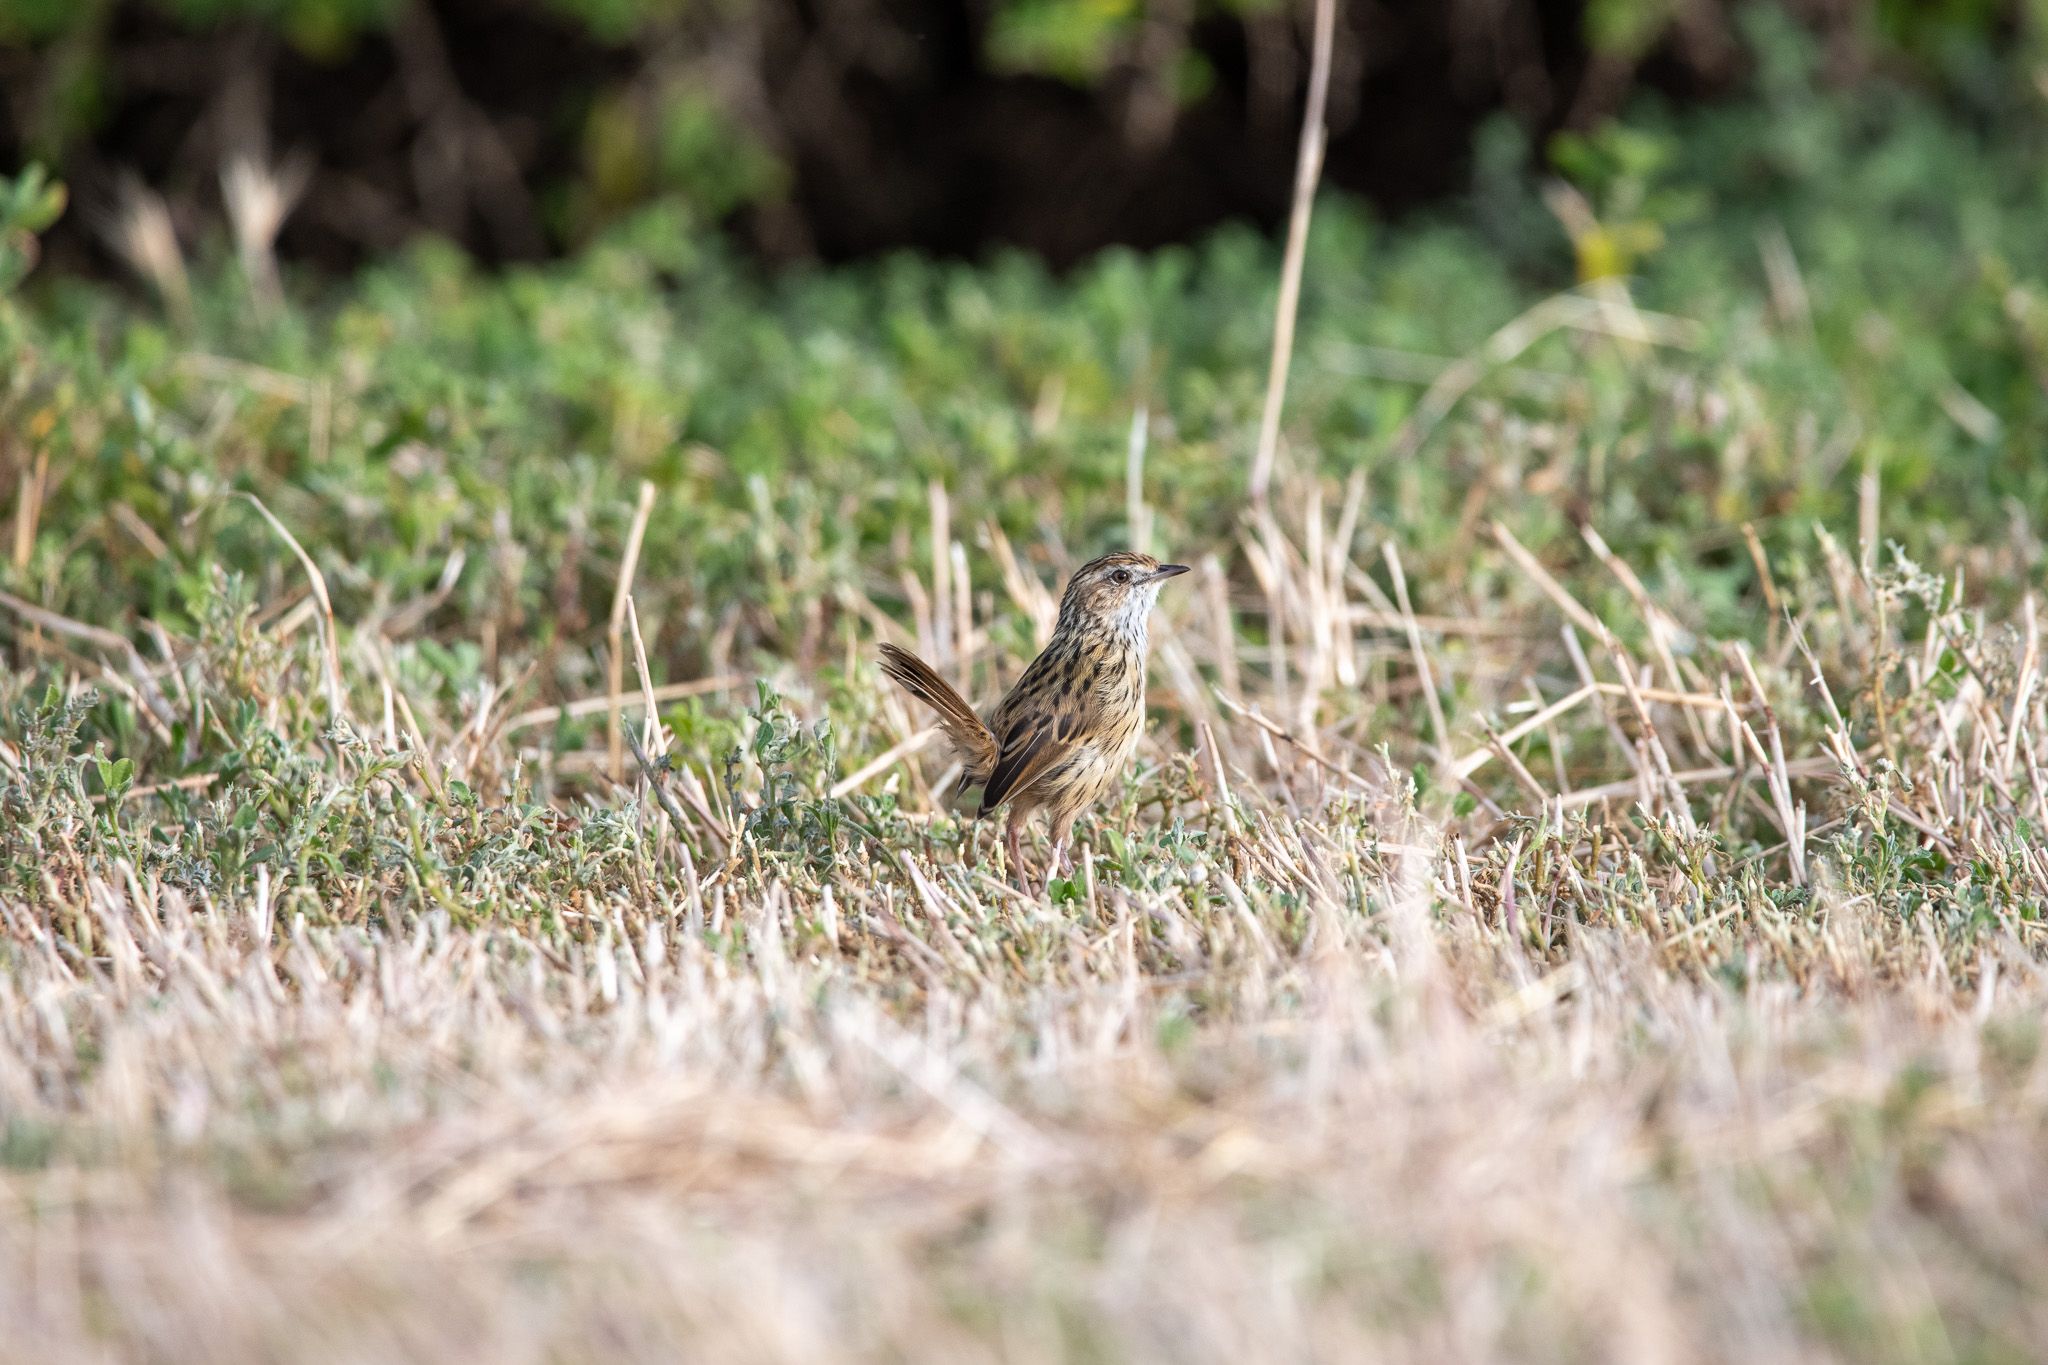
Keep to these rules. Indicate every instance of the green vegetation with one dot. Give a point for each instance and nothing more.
(618, 103)
(1563, 946)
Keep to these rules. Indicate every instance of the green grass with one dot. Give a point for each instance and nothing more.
(359, 998)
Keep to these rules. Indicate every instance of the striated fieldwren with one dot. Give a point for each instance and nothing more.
(1062, 736)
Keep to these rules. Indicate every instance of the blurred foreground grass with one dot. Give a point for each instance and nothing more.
(1580, 899)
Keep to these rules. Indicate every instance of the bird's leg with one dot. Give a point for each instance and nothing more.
(1060, 860)
(1013, 831)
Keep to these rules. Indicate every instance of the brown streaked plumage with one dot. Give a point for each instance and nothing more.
(1062, 736)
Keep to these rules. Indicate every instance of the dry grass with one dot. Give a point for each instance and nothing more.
(330, 1145)
(1690, 1011)
(1552, 919)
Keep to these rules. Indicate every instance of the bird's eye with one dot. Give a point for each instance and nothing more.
(1121, 576)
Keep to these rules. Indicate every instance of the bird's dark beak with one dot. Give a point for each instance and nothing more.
(1169, 571)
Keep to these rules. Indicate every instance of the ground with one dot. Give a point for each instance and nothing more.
(1579, 897)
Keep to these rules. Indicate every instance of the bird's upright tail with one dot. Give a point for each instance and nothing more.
(975, 743)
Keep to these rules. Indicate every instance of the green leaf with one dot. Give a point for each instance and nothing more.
(115, 776)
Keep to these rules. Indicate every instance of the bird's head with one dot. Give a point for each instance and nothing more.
(1116, 591)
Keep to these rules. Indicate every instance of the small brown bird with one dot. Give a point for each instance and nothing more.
(1061, 737)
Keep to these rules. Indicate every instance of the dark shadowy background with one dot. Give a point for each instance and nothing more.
(831, 129)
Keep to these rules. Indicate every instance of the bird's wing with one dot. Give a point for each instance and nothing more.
(1028, 751)
(1031, 746)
